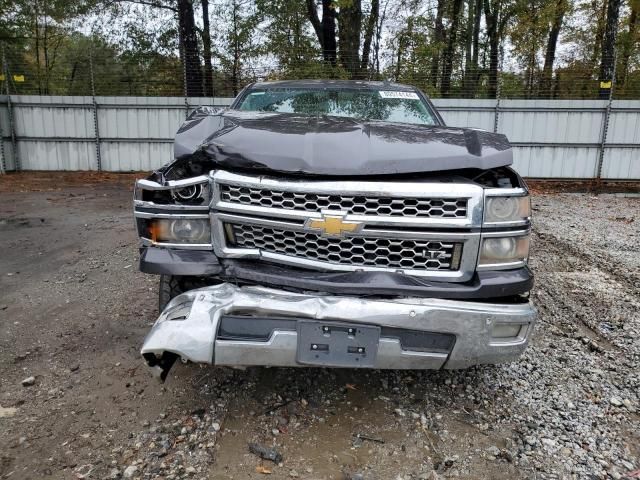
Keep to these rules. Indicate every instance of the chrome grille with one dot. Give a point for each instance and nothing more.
(351, 204)
(358, 251)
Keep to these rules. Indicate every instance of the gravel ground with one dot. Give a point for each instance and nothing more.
(76, 401)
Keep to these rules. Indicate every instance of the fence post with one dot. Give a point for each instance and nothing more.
(3, 162)
(496, 116)
(184, 83)
(96, 130)
(12, 131)
(605, 123)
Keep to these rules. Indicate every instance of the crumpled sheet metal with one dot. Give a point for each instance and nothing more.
(332, 146)
(189, 324)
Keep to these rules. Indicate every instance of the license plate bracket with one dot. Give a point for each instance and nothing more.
(337, 344)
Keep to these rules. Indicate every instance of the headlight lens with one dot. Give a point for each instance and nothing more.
(181, 230)
(507, 209)
(194, 193)
(500, 250)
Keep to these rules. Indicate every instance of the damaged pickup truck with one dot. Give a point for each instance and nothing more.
(340, 224)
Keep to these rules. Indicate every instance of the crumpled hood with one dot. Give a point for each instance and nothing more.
(325, 145)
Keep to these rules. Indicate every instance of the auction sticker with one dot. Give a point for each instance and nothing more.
(398, 94)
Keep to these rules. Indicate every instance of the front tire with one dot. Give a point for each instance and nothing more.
(170, 287)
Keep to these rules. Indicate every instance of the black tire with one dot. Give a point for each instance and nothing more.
(170, 287)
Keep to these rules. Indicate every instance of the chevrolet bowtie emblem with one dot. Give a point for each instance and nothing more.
(332, 224)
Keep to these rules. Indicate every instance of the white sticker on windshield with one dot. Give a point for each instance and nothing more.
(398, 94)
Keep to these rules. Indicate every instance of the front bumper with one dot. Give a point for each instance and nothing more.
(190, 328)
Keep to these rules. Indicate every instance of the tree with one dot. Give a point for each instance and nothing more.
(189, 49)
(206, 50)
(372, 22)
(325, 29)
(609, 48)
(288, 39)
(552, 42)
(629, 42)
(235, 44)
(471, 70)
(350, 26)
(447, 66)
(438, 40)
(497, 14)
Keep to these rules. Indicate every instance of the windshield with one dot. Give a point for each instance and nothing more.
(382, 105)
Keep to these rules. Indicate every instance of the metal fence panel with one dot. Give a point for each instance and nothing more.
(57, 155)
(624, 126)
(551, 121)
(467, 113)
(123, 156)
(552, 138)
(621, 164)
(555, 162)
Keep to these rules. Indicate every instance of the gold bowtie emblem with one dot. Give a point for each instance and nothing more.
(332, 225)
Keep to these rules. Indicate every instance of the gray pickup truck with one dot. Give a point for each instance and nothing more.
(338, 224)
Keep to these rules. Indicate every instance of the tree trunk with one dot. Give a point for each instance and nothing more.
(475, 76)
(601, 12)
(206, 46)
(312, 14)
(550, 53)
(399, 54)
(329, 44)
(491, 14)
(609, 48)
(45, 50)
(372, 22)
(447, 65)
(630, 42)
(325, 29)
(235, 68)
(191, 57)
(438, 37)
(37, 39)
(468, 40)
(350, 23)
(379, 37)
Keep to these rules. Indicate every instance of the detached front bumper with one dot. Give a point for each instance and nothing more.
(243, 326)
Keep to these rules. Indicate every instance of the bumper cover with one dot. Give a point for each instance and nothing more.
(484, 285)
(189, 328)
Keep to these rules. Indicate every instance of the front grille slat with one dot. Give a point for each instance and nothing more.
(352, 204)
(398, 254)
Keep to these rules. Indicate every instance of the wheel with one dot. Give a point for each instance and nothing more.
(170, 287)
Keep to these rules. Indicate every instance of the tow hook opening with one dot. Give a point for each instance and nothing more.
(160, 366)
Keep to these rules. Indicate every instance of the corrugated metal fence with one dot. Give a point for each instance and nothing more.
(552, 138)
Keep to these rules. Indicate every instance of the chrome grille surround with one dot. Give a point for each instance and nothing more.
(350, 204)
(417, 231)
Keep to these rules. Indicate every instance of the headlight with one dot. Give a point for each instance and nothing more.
(181, 230)
(507, 209)
(504, 250)
(190, 192)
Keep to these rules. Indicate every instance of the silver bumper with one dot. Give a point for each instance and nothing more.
(188, 327)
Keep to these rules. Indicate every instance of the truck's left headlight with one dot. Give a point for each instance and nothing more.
(500, 209)
(504, 251)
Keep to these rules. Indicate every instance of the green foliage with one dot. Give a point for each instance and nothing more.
(134, 49)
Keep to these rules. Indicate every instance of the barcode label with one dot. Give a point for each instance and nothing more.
(397, 94)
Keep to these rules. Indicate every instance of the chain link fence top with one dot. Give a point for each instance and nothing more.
(168, 75)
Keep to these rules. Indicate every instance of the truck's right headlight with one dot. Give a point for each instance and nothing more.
(505, 251)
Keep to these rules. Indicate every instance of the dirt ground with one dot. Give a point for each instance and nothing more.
(74, 311)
